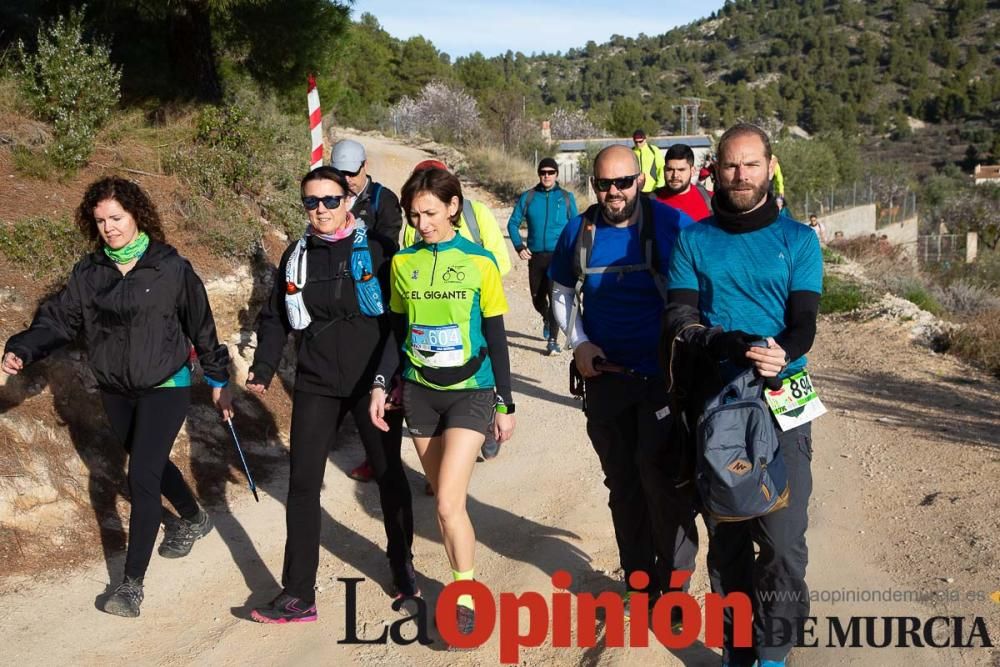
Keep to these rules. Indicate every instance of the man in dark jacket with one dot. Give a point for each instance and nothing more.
(546, 208)
(375, 204)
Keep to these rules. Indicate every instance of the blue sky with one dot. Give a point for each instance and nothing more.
(459, 28)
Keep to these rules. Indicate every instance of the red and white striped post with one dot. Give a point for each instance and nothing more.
(315, 124)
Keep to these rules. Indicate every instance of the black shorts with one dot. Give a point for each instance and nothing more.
(430, 411)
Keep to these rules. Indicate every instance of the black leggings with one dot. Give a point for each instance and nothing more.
(147, 426)
(315, 422)
(540, 286)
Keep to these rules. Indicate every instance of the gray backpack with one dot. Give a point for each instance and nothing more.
(739, 471)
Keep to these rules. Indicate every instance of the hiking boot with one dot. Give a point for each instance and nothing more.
(126, 598)
(179, 536)
(363, 473)
(466, 621)
(490, 448)
(552, 347)
(285, 609)
(404, 581)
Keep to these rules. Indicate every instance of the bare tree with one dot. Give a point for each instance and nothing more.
(575, 124)
(443, 111)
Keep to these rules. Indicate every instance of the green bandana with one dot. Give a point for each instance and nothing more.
(133, 250)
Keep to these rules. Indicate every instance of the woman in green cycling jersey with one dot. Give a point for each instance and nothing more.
(446, 309)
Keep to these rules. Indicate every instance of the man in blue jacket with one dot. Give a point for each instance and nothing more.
(546, 208)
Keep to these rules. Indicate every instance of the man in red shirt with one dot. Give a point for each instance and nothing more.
(679, 191)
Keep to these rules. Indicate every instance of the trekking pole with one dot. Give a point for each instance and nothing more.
(239, 450)
(605, 366)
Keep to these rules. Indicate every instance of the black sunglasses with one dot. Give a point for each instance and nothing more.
(547, 172)
(330, 202)
(622, 183)
(352, 174)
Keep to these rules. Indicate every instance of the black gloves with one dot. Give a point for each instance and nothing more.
(729, 346)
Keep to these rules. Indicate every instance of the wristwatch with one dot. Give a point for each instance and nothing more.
(504, 408)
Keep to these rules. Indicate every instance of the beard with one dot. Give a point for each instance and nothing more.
(742, 197)
(624, 214)
(678, 189)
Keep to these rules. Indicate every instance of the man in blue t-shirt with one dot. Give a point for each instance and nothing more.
(623, 298)
(748, 273)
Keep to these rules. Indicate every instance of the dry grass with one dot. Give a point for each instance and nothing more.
(505, 175)
(979, 341)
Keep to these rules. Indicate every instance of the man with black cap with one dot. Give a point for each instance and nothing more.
(650, 162)
(376, 205)
(546, 208)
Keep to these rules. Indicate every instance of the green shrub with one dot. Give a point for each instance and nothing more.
(46, 247)
(922, 298)
(842, 296)
(33, 164)
(227, 145)
(832, 256)
(244, 161)
(70, 84)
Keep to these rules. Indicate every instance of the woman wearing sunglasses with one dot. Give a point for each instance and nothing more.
(447, 307)
(138, 304)
(329, 290)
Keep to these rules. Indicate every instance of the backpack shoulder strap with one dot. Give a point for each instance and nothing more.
(705, 197)
(582, 249)
(376, 193)
(469, 213)
(566, 199)
(647, 236)
(529, 196)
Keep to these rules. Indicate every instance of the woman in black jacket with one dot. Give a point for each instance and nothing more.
(331, 288)
(138, 304)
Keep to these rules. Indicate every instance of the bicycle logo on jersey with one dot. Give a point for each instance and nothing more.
(453, 275)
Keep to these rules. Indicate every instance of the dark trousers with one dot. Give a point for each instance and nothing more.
(315, 422)
(147, 426)
(653, 521)
(541, 287)
(775, 580)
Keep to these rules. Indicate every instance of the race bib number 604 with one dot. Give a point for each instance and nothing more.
(438, 346)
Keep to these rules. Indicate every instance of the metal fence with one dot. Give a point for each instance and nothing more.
(890, 208)
(938, 248)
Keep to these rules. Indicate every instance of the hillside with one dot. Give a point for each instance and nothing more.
(820, 65)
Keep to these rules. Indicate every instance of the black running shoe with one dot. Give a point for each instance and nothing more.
(180, 535)
(465, 619)
(126, 598)
(404, 581)
(285, 609)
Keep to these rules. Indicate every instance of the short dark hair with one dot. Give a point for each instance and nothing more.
(325, 173)
(130, 196)
(742, 130)
(679, 152)
(439, 182)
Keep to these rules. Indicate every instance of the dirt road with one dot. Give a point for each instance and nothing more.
(906, 468)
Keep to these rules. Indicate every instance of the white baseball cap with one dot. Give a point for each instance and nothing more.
(347, 155)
